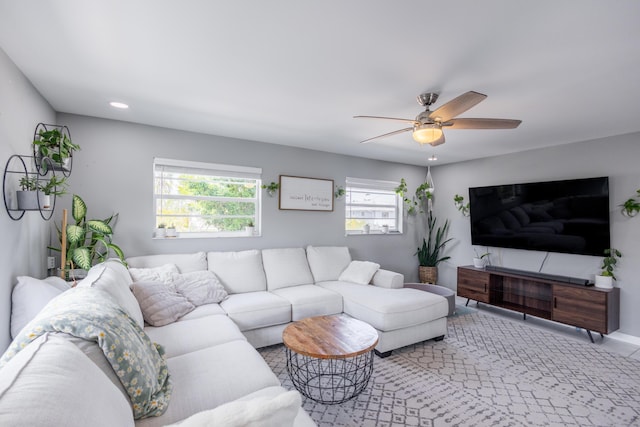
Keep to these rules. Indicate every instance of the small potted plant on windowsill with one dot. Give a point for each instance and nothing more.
(161, 230)
(609, 263)
(171, 231)
(249, 228)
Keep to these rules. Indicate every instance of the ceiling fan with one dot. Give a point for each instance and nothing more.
(427, 126)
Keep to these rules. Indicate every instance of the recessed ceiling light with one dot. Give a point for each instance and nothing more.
(120, 105)
(433, 158)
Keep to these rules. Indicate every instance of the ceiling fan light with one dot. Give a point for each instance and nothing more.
(427, 133)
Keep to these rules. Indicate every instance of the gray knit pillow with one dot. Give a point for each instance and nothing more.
(200, 287)
(159, 303)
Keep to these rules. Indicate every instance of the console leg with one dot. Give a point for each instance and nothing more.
(524, 316)
(440, 338)
(467, 302)
(383, 355)
(590, 336)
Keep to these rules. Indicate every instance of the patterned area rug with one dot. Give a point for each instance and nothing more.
(488, 371)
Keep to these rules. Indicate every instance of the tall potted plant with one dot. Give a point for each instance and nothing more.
(431, 252)
(88, 240)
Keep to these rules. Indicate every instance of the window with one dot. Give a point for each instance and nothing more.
(206, 199)
(373, 203)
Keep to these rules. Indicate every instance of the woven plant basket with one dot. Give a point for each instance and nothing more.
(428, 274)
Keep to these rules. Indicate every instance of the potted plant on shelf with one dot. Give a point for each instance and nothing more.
(430, 254)
(28, 194)
(609, 263)
(52, 187)
(56, 146)
(480, 261)
(86, 242)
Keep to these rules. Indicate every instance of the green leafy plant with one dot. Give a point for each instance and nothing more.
(162, 225)
(610, 262)
(414, 204)
(430, 254)
(458, 200)
(55, 145)
(250, 224)
(486, 254)
(339, 192)
(631, 207)
(54, 186)
(88, 240)
(29, 183)
(271, 188)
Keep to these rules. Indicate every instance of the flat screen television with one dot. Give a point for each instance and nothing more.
(569, 216)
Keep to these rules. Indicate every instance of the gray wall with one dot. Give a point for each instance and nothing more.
(113, 173)
(23, 248)
(615, 157)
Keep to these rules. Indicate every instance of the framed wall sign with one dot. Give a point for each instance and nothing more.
(305, 194)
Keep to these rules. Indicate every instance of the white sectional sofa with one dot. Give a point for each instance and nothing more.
(210, 351)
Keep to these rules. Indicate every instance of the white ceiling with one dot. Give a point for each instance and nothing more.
(294, 72)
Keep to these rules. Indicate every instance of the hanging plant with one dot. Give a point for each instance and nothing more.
(631, 207)
(272, 188)
(458, 201)
(340, 191)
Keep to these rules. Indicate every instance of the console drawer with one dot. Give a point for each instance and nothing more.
(473, 284)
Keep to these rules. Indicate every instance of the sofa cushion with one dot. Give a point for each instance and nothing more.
(42, 386)
(389, 309)
(310, 301)
(29, 296)
(286, 267)
(327, 262)
(114, 278)
(160, 303)
(360, 272)
(252, 310)
(210, 377)
(239, 271)
(185, 262)
(388, 279)
(276, 411)
(195, 334)
(202, 311)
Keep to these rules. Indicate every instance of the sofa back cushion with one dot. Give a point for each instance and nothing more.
(328, 262)
(51, 382)
(286, 267)
(114, 278)
(239, 272)
(185, 262)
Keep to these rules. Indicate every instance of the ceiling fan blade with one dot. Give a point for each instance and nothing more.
(395, 132)
(464, 123)
(438, 141)
(385, 118)
(457, 106)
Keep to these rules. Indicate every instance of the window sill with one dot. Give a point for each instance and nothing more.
(372, 233)
(183, 236)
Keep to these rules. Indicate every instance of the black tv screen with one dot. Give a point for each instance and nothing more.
(570, 216)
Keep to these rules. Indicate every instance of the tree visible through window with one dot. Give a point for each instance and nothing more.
(203, 199)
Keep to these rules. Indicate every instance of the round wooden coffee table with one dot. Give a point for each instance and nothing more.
(330, 358)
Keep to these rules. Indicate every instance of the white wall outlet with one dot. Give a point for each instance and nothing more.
(51, 262)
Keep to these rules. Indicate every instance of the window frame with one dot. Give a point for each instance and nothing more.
(373, 185)
(211, 169)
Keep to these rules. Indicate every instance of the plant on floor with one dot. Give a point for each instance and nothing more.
(88, 240)
(55, 145)
(610, 262)
(432, 251)
(631, 207)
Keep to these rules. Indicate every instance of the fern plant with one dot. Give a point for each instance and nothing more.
(88, 240)
(430, 254)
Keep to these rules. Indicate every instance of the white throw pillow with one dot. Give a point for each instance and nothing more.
(160, 305)
(200, 287)
(359, 272)
(278, 411)
(30, 296)
(163, 274)
(240, 271)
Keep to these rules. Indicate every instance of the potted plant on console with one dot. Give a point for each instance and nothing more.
(480, 261)
(609, 262)
(430, 254)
